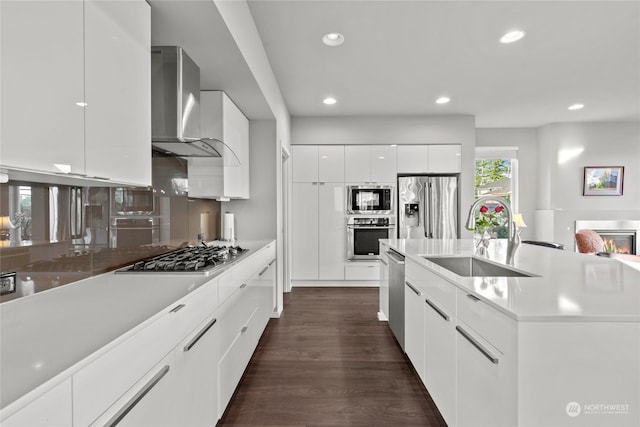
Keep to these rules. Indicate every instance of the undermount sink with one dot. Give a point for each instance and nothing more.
(467, 266)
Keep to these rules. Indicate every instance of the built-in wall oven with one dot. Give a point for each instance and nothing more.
(133, 201)
(363, 233)
(370, 200)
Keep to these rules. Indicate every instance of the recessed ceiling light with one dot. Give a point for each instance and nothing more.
(333, 39)
(442, 100)
(576, 107)
(329, 100)
(512, 36)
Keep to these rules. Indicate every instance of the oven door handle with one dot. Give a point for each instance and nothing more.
(358, 227)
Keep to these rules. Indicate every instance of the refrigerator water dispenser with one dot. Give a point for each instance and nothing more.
(411, 214)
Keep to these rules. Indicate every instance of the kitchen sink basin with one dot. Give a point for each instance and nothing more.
(474, 267)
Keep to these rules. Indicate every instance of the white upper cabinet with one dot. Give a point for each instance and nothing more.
(42, 86)
(221, 178)
(444, 158)
(331, 163)
(76, 92)
(305, 163)
(429, 158)
(370, 163)
(318, 163)
(413, 158)
(118, 90)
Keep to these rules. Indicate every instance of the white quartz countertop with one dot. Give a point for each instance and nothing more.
(569, 286)
(48, 333)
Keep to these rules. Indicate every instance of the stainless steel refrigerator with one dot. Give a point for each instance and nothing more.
(428, 207)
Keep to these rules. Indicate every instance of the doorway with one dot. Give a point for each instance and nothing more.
(286, 276)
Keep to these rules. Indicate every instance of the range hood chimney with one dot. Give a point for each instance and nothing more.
(175, 108)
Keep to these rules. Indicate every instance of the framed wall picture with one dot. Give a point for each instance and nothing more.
(603, 180)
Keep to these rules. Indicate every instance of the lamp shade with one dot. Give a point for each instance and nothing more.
(5, 223)
(517, 218)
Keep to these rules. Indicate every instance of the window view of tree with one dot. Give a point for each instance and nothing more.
(493, 178)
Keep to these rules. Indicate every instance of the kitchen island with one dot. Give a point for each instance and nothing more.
(558, 345)
(85, 346)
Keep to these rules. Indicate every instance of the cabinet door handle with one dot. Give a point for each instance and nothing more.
(397, 257)
(477, 345)
(272, 261)
(263, 270)
(473, 297)
(138, 397)
(177, 308)
(413, 288)
(244, 329)
(244, 285)
(314, 183)
(199, 335)
(321, 182)
(437, 310)
(383, 261)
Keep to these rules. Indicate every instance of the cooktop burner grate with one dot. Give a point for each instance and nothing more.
(191, 259)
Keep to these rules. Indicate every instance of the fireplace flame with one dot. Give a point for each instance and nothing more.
(610, 246)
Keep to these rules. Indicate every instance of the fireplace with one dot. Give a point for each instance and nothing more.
(619, 236)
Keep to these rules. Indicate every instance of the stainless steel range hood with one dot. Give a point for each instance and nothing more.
(175, 108)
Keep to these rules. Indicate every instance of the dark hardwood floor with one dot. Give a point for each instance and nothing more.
(328, 361)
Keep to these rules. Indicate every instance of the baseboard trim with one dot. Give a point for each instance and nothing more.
(382, 317)
(335, 283)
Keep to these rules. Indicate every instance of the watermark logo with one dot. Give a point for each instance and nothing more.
(573, 409)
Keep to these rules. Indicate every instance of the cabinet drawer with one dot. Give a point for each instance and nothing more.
(240, 274)
(433, 286)
(362, 271)
(492, 325)
(97, 386)
(233, 362)
(51, 409)
(234, 314)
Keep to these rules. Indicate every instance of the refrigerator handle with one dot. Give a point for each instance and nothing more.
(427, 211)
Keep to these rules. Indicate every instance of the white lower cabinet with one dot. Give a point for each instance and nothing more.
(51, 409)
(440, 357)
(485, 382)
(383, 313)
(151, 402)
(414, 326)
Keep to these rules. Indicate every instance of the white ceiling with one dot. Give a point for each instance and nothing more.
(399, 56)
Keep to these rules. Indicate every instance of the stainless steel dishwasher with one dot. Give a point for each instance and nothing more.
(396, 295)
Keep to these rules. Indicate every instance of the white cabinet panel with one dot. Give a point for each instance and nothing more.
(440, 357)
(383, 163)
(51, 409)
(413, 158)
(485, 382)
(149, 403)
(331, 231)
(196, 374)
(362, 270)
(357, 163)
(215, 177)
(370, 163)
(305, 163)
(42, 82)
(414, 327)
(384, 283)
(305, 231)
(331, 163)
(444, 158)
(118, 90)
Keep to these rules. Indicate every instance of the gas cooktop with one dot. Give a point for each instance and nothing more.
(194, 259)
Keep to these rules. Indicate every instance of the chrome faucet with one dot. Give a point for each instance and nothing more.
(513, 239)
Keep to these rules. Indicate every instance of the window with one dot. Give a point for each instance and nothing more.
(496, 174)
(20, 210)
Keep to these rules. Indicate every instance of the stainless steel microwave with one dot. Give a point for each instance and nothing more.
(370, 199)
(133, 201)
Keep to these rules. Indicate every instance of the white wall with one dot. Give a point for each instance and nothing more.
(445, 129)
(564, 150)
(255, 219)
(526, 139)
